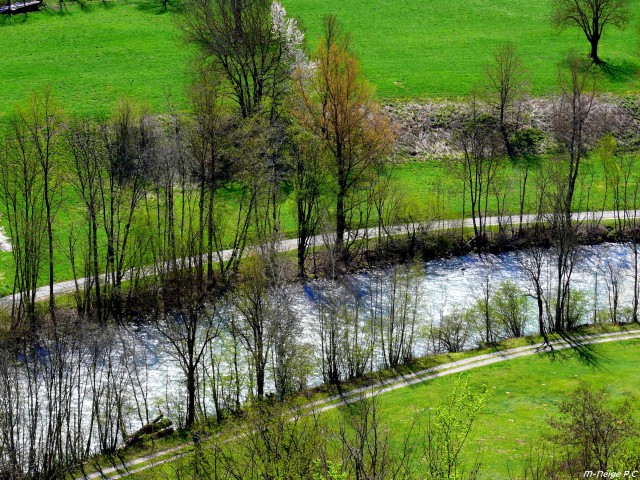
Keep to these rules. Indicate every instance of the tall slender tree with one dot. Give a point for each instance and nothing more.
(338, 105)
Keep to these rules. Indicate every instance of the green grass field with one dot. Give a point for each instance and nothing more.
(439, 48)
(522, 395)
(90, 57)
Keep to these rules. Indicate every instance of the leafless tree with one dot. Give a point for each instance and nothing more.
(42, 120)
(189, 325)
(591, 432)
(366, 445)
(477, 140)
(393, 305)
(238, 39)
(21, 190)
(506, 87)
(574, 129)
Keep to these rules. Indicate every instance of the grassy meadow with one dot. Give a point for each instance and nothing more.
(93, 55)
(439, 48)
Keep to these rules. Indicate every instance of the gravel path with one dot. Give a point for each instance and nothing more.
(141, 464)
(69, 286)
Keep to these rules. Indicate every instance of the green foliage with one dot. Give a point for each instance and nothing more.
(591, 432)
(448, 429)
(334, 473)
(526, 142)
(577, 308)
(453, 332)
(510, 309)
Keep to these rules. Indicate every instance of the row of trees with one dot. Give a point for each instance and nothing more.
(214, 179)
(202, 183)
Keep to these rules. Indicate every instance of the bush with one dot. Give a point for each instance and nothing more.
(453, 333)
(510, 308)
(591, 434)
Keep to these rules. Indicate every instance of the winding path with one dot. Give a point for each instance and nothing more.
(69, 286)
(141, 464)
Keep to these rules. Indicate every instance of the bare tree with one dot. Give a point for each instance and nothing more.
(592, 17)
(255, 331)
(42, 121)
(507, 84)
(238, 38)
(394, 311)
(21, 190)
(591, 432)
(189, 327)
(87, 150)
(476, 138)
(366, 445)
(574, 129)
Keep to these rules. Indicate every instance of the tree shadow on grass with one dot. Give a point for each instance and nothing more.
(620, 72)
(578, 342)
(160, 7)
(9, 20)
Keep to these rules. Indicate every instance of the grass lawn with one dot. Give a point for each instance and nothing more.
(92, 56)
(522, 395)
(438, 48)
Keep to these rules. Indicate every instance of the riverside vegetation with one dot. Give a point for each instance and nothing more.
(277, 140)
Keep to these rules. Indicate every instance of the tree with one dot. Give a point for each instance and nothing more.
(251, 298)
(477, 138)
(367, 444)
(42, 120)
(338, 105)
(506, 84)
(574, 127)
(250, 43)
(22, 194)
(306, 177)
(592, 17)
(591, 432)
(510, 307)
(189, 328)
(447, 432)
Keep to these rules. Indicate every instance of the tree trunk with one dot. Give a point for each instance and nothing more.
(341, 220)
(594, 50)
(191, 396)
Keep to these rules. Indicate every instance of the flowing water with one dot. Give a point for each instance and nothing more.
(154, 381)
